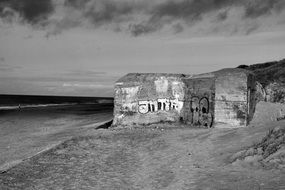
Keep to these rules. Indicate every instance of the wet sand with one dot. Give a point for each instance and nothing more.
(26, 132)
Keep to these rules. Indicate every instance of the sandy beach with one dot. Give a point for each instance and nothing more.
(149, 158)
(28, 131)
(161, 156)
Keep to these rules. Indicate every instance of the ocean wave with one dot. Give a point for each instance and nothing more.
(33, 106)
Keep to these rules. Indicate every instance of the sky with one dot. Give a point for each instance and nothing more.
(81, 47)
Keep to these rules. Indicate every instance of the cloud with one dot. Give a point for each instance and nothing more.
(30, 11)
(221, 16)
(95, 13)
(141, 17)
(144, 27)
(191, 12)
(103, 11)
(178, 28)
(254, 9)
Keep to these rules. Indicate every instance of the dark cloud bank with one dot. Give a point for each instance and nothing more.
(137, 16)
(31, 11)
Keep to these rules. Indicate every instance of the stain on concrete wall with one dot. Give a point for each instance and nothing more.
(178, 91)
(125, 103)
(161, 85)
(233, 113)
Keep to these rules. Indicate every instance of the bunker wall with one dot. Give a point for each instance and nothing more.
(199, 101)
(231, 99)
(152, 99)
(226, 96)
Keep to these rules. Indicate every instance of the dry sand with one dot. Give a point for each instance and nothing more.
(159, 157)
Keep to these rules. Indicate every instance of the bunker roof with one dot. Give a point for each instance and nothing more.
(233, 71)
(227, 71)
(140, 77)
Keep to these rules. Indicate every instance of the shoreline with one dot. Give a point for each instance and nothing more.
(42, 105)
(8, 165)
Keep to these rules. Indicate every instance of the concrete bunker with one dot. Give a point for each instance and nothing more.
(225, 96)
(199, 100)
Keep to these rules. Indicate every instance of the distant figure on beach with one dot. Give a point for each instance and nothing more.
(19, 106)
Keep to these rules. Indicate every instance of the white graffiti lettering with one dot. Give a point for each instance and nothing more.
(143, 107)
(163, 104)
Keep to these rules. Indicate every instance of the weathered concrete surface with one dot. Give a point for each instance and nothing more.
(148, 98)
(199, 101)
(234, 98)
(226, 96)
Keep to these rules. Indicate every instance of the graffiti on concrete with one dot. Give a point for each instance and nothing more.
(163, 104)
(200, 112)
